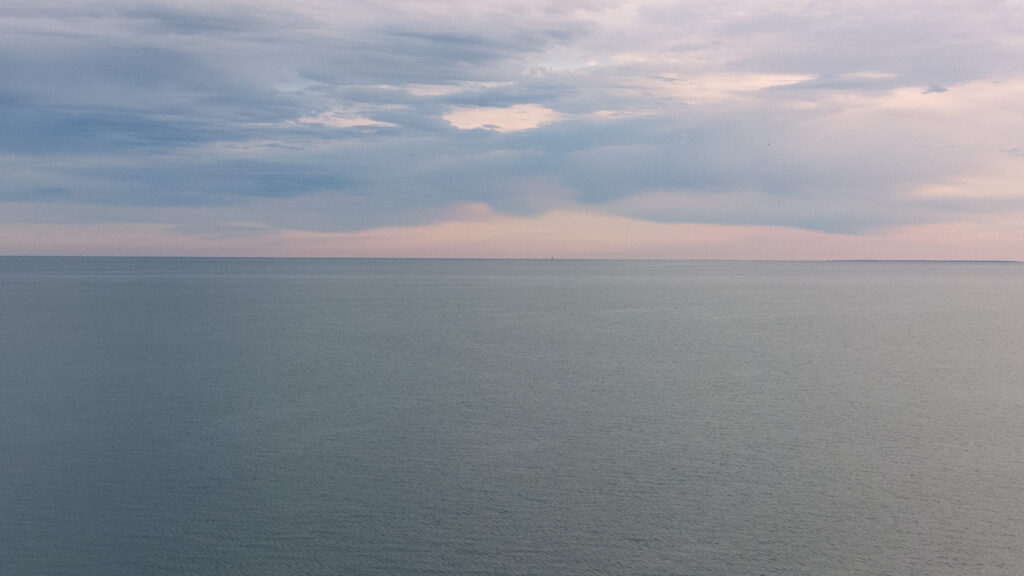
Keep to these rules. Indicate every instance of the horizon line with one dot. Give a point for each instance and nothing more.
(537, 259)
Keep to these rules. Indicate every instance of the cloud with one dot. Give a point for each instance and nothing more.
(322, 117)
(713, 88)
(510, 119)
(341, 119)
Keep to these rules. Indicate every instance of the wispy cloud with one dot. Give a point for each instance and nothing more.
(341, 119)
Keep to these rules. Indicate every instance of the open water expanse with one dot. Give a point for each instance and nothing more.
(390, 417)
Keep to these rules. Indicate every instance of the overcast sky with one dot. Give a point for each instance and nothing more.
(566, 128)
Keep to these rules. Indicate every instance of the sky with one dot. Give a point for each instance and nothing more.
(735, 129)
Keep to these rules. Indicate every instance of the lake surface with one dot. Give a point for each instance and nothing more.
(382, 417)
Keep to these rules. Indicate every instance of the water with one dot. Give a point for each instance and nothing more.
(380, 417)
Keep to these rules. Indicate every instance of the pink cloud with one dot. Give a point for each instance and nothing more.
(510, 119)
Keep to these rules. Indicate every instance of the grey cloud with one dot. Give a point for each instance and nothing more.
(194, 21)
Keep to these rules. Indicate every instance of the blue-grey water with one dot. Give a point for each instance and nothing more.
(384, 417)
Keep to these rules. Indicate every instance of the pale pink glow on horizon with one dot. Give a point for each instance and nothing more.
(477, 232)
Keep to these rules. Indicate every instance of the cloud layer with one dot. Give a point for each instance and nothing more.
(171, 127)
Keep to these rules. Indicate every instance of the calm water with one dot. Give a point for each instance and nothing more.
(383, 417)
